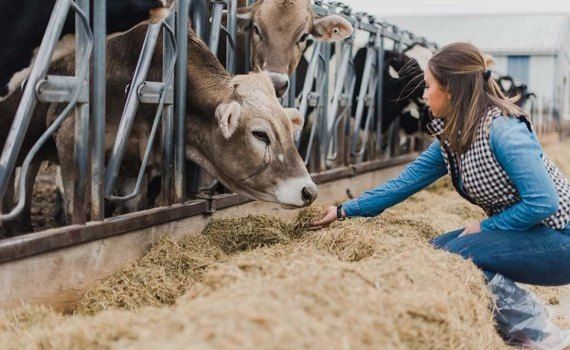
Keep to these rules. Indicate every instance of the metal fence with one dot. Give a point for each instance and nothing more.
(333, 145)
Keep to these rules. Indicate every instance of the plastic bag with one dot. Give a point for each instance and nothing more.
(522, 319)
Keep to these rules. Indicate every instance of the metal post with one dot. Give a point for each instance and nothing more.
(340, 87)
(232, 30)
(292, 93)
(379, 97)
(29, 99)
(322, 120)
(167, 122)
(131, 105)
(81, 140)
(199, 16)
(180, 102)
(247, 46)
(370, 56)
(307, 87)
(217, 10)
(98, 119)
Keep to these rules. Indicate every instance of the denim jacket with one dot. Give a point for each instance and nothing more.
(516, 149)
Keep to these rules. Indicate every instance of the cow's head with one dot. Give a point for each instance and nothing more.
(160, 11)
(248, 144)
(279, 32)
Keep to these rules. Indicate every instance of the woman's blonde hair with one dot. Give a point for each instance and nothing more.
(461, 71)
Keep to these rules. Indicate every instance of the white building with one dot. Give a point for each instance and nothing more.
(532, 48)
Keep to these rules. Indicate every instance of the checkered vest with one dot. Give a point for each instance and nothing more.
(485, 182)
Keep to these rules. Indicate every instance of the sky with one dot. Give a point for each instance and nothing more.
(383, 8)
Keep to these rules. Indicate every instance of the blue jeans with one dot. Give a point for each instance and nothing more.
(539, 255)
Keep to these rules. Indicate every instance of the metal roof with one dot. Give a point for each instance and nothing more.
(525, 34)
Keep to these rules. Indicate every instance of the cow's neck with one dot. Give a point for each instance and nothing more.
(208, 81)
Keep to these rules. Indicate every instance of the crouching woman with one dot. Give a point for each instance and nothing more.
(487, 145)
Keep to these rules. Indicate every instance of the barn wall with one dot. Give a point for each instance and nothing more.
(541, 76)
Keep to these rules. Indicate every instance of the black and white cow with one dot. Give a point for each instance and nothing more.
(23, 23)
(511, 89)
(403, 86)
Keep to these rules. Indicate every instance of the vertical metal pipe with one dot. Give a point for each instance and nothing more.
(247, 46)
(130, 109)
(370, 56)
(81, 140)
(379, 96)
(292, 93)
(98, 118)
(180, 102)
(167, 122)
(340, 82)
(199, 16)
(232, 30)
(217, 10)
(323, 122)
(304, 104)
(29, 99)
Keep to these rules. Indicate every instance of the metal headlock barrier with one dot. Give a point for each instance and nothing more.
(338, 144)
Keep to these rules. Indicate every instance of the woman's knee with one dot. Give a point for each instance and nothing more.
(440, 241)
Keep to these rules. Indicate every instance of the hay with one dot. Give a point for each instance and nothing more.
(404, 296)
(171, 266)
(234, 235)
(158, 278)
(267, 283)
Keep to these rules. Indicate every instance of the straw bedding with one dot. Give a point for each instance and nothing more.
(265, 282)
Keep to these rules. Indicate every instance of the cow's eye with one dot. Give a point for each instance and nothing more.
(261, 135)
(303, 38)
(256, 31)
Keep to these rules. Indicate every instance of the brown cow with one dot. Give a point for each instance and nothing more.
(238, 131)
(279, 33)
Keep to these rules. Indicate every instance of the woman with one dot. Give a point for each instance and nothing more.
(486, 143)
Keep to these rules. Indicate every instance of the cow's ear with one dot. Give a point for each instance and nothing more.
(228, 115)
(331, 28)
(296, 118)
(244, 18)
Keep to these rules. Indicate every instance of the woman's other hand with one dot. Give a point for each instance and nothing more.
(474, 227)
(327, 219)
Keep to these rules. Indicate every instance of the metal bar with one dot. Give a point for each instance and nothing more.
(218, 8)
(56, 88)
(322, 120)
(56, 123)
(379, 95)
(81, 140)
(307, 87)
(247, 46)
(359, 154)
(199, 16)
(156, 120)
(131, 106)
(180, 91)
(98, 118)
(337, 95)
(150, 92)
(370, 56)
(292, 93)
(232, 31)
(50, 240)
(28, 102)
(167, 121)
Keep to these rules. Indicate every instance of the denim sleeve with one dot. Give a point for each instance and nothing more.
(428, 167)
(519, 153)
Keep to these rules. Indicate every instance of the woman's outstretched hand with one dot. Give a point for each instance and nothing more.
(327, 219)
